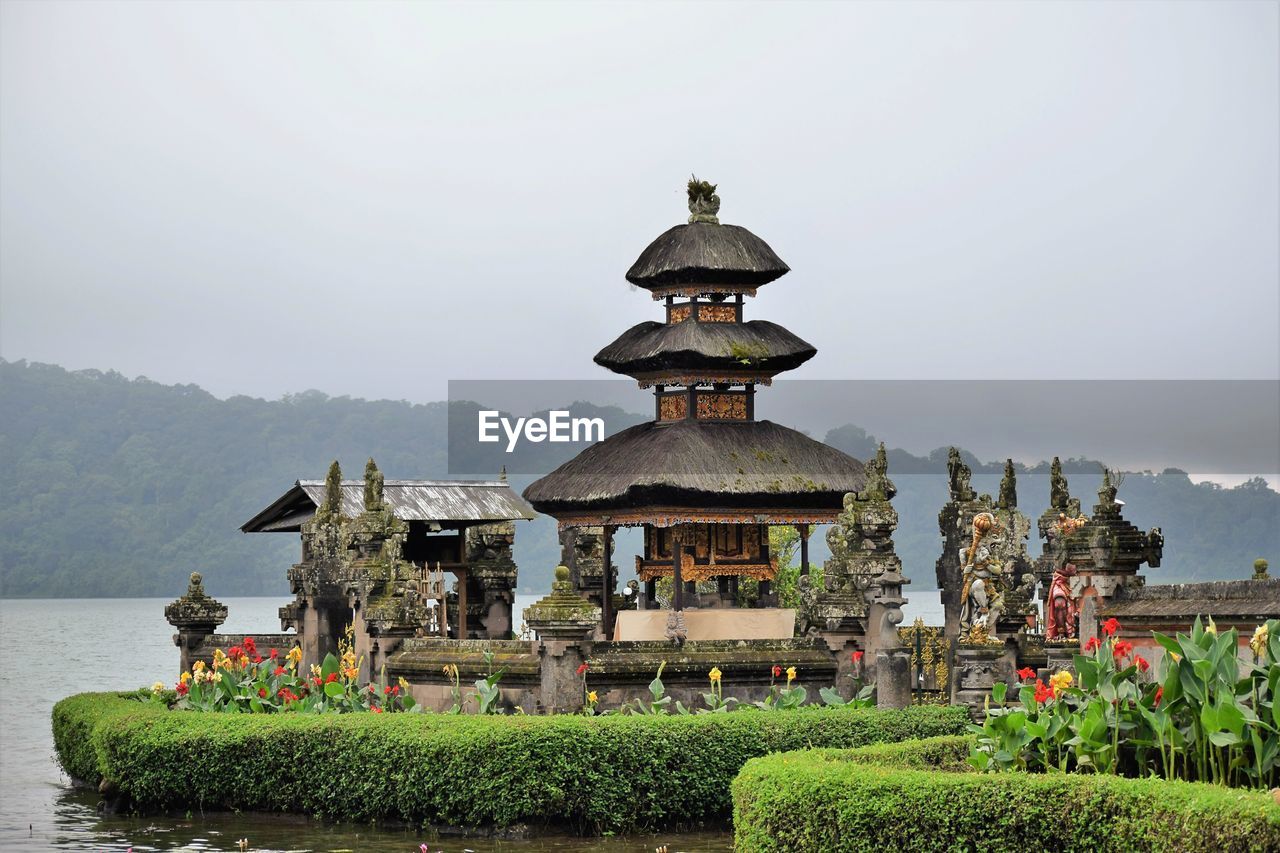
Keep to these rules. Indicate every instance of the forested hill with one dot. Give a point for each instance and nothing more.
(118, 487)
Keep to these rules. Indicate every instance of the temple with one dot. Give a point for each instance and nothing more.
(705, 480)
(420, 573)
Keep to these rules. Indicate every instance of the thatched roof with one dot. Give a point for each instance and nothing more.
(1242, 600)
(706, 254)
(700, 464)
(756, 345)
(470, 501)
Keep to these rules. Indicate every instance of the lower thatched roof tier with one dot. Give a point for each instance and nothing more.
(706, 253)
(756, 345)
(700, 465)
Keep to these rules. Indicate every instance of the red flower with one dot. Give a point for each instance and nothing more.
(386, 690)
(1043, 692)
(262, 691)
(1141, 663)
(857, 658)
(395, 690)
(582, 668)
(278, 671)
(316, 681)
(777, 671)
(287, 695)
(183, 688)
(234, 652)
(1159, 695)
(331, 677)
(1026, 673)
(257, 658)
(1094, 643)
(250, 647)
(275, 653)
(371, 690)
(1122, 649)
(1110, 627)
(376, 709)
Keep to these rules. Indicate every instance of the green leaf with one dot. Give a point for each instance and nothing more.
(334, 689)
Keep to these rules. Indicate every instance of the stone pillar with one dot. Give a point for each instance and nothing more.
(977, 668)
(893, 678)
(564, 623)
(196, 616)
(1060, 656)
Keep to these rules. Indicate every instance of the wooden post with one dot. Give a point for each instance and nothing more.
(606, 601)
(765, 586)
(804, 548)
(677, 580)
(462, 603)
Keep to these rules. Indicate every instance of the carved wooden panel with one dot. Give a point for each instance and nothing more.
(673, 407)
(722, 407)
(678, 313)
(717, 314)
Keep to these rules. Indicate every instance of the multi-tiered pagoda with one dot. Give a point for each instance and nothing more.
(705, 479)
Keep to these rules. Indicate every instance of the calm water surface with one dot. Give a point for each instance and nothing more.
(54, 648)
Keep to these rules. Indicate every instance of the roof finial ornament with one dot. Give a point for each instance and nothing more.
(704, 204)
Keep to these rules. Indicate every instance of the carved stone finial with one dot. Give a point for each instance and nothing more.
(1059, 495)
(373, 487)
(1260, 569)
(1008, 487)
(959, 475)
(879, 486)
(562, 614)
(333, 490)
(502, 475)
(704, 204)
(195, 586)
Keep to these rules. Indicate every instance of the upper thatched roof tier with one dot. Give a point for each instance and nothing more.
(700, 465)
(756, 345)
(713, 257)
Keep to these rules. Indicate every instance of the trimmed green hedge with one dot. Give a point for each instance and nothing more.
(592, 773)
(922, 796)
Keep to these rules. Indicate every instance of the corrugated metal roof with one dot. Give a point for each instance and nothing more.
(411, 500)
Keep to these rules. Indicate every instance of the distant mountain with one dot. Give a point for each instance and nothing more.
(119, 487)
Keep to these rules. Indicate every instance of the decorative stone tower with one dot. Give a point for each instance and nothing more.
(861, 594)
(196, 616)
(564, 622)
(955, 523)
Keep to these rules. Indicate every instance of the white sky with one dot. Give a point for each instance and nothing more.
(372, 199)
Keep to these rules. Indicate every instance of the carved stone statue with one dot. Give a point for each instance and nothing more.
(1061, 605)
(982, 593)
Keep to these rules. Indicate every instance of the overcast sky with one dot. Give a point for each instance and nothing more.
(373, 199)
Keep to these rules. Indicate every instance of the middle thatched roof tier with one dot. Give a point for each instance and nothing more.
(686, 471)
(757, 345)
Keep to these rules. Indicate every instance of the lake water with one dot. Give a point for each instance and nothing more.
(54, 648)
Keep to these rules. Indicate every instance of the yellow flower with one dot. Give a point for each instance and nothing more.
(1176, 657)
(1060, 681)
(186, 676)
(404, 685)
(198, 666)
(1259, 641)
(714, 675)
(791, 674)
(351, 673)
(591, 697)
(244, 660)
(158, 687)
(1211, 628)
(295, 655)
(316, 671)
